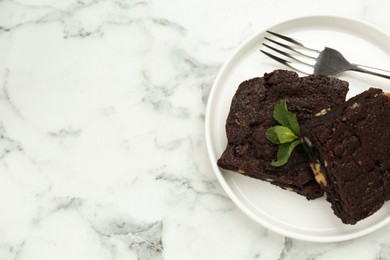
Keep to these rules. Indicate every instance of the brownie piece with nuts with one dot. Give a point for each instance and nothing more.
(251, 113)
(349, 149)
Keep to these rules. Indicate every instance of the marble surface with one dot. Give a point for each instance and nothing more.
(102, 146)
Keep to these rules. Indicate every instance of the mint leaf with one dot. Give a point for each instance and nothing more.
(284, 153)
(286, 135)
(280, 135)
(285, 117)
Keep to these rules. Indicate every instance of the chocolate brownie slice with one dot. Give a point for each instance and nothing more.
(249, 152)
(349, 149)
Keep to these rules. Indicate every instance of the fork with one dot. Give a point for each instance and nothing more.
(313, 59)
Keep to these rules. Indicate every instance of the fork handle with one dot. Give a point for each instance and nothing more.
(371, 70)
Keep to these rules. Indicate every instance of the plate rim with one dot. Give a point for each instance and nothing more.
(211, 153)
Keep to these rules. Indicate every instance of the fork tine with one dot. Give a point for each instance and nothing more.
(293, 57)
(286, 54)
(306, 53)
(312, 47)
(306, 69)
(284, 62)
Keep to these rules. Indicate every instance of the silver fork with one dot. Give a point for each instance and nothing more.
(313, 59)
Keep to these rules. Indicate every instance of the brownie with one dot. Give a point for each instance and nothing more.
(349, 149)
(251, 113)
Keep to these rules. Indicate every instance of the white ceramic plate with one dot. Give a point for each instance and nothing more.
(279, 210)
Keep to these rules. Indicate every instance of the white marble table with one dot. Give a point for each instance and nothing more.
(102, 147)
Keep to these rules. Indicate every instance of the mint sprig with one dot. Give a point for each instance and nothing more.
(280, 135)
(285, 117)
(284, 153)
(286, 135)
